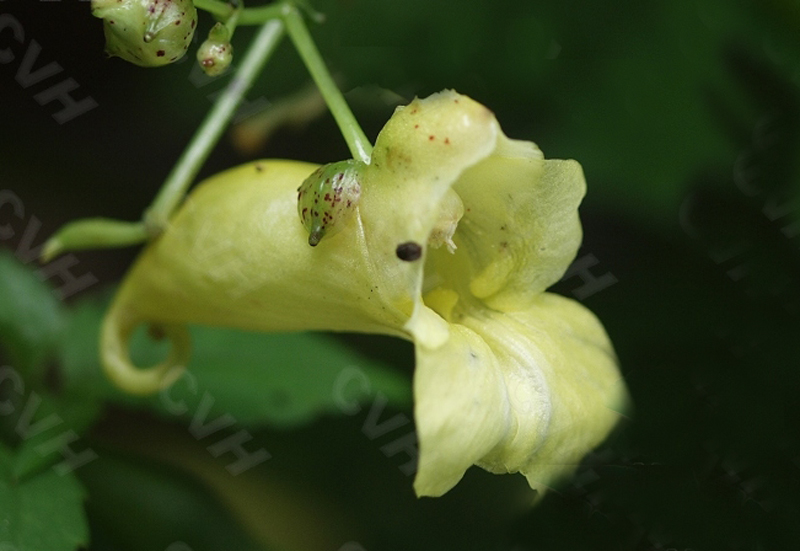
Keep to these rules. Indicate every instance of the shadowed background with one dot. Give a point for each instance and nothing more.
(686, 119)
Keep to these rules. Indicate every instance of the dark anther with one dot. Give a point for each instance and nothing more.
(408, 251)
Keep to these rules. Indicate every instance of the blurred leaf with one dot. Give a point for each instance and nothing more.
(277, 379)
(49, 425)
(79, 354)
(326, 483)
(30, 314)
(283, 379)
(43, 513)
(145, 505)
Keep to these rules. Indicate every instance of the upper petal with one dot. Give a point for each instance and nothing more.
(419, 155)
(521, 228)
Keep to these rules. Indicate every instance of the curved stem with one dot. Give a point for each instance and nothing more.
(216, 7)
(360, 146)
(206, 137)
(254, 16)
(357, 142)
(232, 21)
(91, 233)
(248, 16)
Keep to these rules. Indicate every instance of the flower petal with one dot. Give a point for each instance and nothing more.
(521, 229)
(418, 156)
(530, 391)
(236, 254)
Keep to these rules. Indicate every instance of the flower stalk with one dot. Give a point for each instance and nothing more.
(210, 131)
(360, 146)
(276, 19)
(248, 16)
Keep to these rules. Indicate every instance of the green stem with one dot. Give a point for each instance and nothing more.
(232, 21)
(92, 233)
(206, 137)
(254, 16)
(249, 16)
(220, 9)
(281, 16)
(360, 147)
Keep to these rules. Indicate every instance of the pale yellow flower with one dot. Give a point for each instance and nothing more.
(458, 232)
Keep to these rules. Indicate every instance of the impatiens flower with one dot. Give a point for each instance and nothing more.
(456, 234)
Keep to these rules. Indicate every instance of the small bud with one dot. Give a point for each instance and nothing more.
(148, 33)
(327, 198)
(216, 53)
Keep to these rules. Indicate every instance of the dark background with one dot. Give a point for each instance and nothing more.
(686, 119)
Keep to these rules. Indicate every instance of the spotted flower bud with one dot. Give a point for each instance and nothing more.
(148, 33)
(328, 198)
(216, 53)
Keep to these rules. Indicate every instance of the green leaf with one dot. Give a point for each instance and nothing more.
(78, 352)
(30, 314)
(275, 379)
(51, 429)
(43, 513)
(281, 379)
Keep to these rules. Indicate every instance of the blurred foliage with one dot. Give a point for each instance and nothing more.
(41, 512)
(686, 118)
(30, 316)
(131, 498)
(235, 380)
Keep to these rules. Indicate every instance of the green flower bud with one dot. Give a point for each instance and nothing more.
(216, 53)
(328, 198)
(148, 33)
